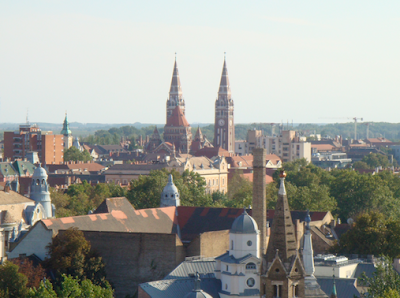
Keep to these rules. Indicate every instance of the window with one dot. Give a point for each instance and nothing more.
(251, 282)
(251, 266)
(249, 243)
(232, 244)
(227, 268)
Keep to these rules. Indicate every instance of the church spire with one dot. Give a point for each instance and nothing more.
(175, 92)
(282, 230)
(224, 85)
(66, 131)
(308, 254)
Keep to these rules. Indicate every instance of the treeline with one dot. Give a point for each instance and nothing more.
(377, 129)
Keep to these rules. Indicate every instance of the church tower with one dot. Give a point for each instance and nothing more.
(175, 93)
(284, 275)
(224, 126)
(40, 191)
(66, 132)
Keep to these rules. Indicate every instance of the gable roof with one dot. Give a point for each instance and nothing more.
(345, 287)
(12, 197)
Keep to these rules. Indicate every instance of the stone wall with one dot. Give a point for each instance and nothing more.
(134, 258)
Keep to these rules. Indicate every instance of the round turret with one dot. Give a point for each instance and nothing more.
(170, 194)
(244, 224)
(39, 173)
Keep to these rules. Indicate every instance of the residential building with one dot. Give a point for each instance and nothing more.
(331, 160)
(18, 144)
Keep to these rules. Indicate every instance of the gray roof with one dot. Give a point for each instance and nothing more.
(178, 288)
(226, 258)
(204, 266)
(346, 287)
(368, 268)
(244, 224)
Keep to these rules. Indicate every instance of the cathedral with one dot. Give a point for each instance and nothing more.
(177, 130)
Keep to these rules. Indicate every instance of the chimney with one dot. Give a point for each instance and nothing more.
(259, 202)
(7, 187)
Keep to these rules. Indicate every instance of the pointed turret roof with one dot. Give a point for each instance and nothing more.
(175, 89)
(334, 292)
(199, 134)
(282, 231)
(177, 118)
(224, 85)
(66, 130)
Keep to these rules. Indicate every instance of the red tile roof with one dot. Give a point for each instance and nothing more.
(210, 152)
(177, 118)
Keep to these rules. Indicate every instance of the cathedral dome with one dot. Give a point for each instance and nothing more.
(244, 224)
(39, 173)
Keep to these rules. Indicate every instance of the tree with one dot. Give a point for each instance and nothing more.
(240, 192)
(74, 154)
(385, 282)
(71, 287)
(145, 192)
(71, 254)
(12, 283)
(34, 274)
(361, 165)
(356, 193)
(374, 160)
(372, 233)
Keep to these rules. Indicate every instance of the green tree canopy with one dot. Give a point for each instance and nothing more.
(71, 254)
(73, 154)
(375, 160)
(12, 283)
(372, 233)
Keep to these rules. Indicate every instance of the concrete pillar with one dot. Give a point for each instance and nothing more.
(259, 203)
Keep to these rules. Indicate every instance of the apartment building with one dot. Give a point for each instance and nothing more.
(30, 138)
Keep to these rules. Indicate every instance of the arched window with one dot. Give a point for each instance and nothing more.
(251, 266)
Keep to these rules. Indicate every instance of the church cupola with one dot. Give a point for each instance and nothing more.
(40, 190)
(170, 194)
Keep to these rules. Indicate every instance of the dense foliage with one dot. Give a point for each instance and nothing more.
(74, 154)
(372, 233)
(344, 192)
(81, 198)
(71, 254)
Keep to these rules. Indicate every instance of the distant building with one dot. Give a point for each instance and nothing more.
(288, 145)
(66, 132)
(17, 144)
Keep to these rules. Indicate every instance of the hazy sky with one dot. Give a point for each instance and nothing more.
(111, 61)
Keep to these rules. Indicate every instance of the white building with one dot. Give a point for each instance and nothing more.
(288, 145)
(238, 269)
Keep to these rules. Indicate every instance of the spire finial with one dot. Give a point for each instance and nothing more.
(197, 283)
(282, 189)
(225, 56)
(175, 56)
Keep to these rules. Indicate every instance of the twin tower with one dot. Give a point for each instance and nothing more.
(224, 129)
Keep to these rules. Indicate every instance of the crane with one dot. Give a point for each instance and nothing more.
(355, 126)
(368, 124)
(355, 123)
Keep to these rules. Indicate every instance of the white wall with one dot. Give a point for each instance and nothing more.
(34, 242)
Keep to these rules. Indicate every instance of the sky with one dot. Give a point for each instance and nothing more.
(107, 61)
